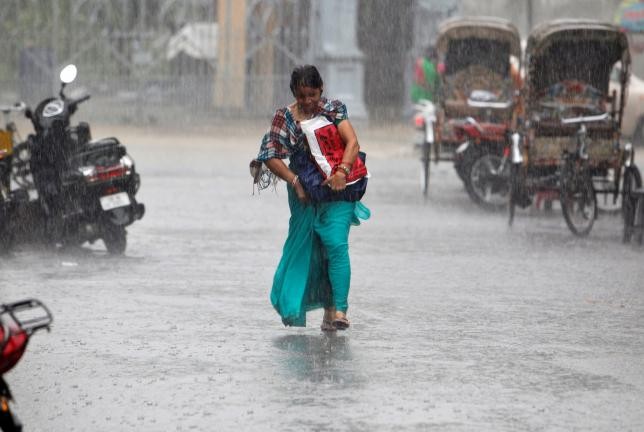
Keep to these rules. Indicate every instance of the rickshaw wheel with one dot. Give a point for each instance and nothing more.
(578, 201)
(514, 190)
(511, 207)
(424, 173)
(518, 191)
(632, 180)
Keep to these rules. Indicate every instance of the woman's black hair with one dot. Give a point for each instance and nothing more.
(305, 76)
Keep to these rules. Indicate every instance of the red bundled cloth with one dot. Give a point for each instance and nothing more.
(327, 148)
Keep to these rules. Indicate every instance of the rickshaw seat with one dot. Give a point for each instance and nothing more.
(460, 109)
(460, 85)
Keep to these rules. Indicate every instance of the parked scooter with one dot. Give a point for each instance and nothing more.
(18, 321)
(86, 188)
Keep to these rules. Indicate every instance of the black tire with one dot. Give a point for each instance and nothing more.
(512, 196)
(9, 422)
(638, 134)
(463, 164)
(115, 239)
(425, 161)
(458, 167)
(487, 187)
(5, 232)
(578, 200)
(632, 180)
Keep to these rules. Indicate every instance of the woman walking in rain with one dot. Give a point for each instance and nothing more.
(314, 270)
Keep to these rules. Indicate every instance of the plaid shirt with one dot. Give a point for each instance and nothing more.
(285, 134)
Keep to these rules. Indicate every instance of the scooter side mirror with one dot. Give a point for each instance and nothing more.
(68, 74)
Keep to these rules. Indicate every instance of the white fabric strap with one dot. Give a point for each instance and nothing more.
(309, 127)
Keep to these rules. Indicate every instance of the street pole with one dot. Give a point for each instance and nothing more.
(529, 16)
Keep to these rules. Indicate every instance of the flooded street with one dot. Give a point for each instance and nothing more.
(458, 322)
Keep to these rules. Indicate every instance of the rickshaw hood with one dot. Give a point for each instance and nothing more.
(585, 50)
(479, 28)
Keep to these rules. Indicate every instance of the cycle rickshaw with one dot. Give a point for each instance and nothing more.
(569, 147)
(479, 82)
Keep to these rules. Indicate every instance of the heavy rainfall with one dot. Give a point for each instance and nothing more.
(497, 286)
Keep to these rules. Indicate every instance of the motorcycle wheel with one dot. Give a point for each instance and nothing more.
(488, 189)
(9, 422)
(578, 200)
(115, 239)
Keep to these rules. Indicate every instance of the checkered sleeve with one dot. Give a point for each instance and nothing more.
(275, 142)
(337, 109)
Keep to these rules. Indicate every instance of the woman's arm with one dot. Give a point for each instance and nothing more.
(350, 140)
(279, 168)
(338, 181)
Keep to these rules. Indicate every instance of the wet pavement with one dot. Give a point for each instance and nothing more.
(458, 322)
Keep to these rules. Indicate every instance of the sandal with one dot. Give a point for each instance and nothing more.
(340, 323)
(327, 326)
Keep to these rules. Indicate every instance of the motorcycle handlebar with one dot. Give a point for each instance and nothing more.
(80, 100)
(73, 104)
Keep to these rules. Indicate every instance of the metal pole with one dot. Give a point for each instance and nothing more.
(313, 30)
(529, 16)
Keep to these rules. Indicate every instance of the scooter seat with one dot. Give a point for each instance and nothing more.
(103, 143)
(95, 151)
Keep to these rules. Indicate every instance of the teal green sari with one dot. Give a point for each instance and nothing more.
(314, 270)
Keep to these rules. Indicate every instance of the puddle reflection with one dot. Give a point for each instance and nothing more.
(321, 358)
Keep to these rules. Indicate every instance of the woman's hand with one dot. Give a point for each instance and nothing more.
(337, 182)
(300, 192)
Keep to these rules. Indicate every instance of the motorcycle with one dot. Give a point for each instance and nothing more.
(18, 322)
(86, 189)
(481, 161)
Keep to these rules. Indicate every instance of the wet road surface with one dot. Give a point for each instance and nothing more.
(458, 323)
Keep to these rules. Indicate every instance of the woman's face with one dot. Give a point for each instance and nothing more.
(307, 98)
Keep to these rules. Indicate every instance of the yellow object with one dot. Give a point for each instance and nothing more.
(6, 143)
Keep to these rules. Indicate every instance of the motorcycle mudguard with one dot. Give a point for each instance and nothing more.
(463, 147)
(13, 347)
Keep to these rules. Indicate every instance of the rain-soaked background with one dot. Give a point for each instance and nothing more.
(458, 323)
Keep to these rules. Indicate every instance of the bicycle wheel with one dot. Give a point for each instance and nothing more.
(578, 201)
(632, 180)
